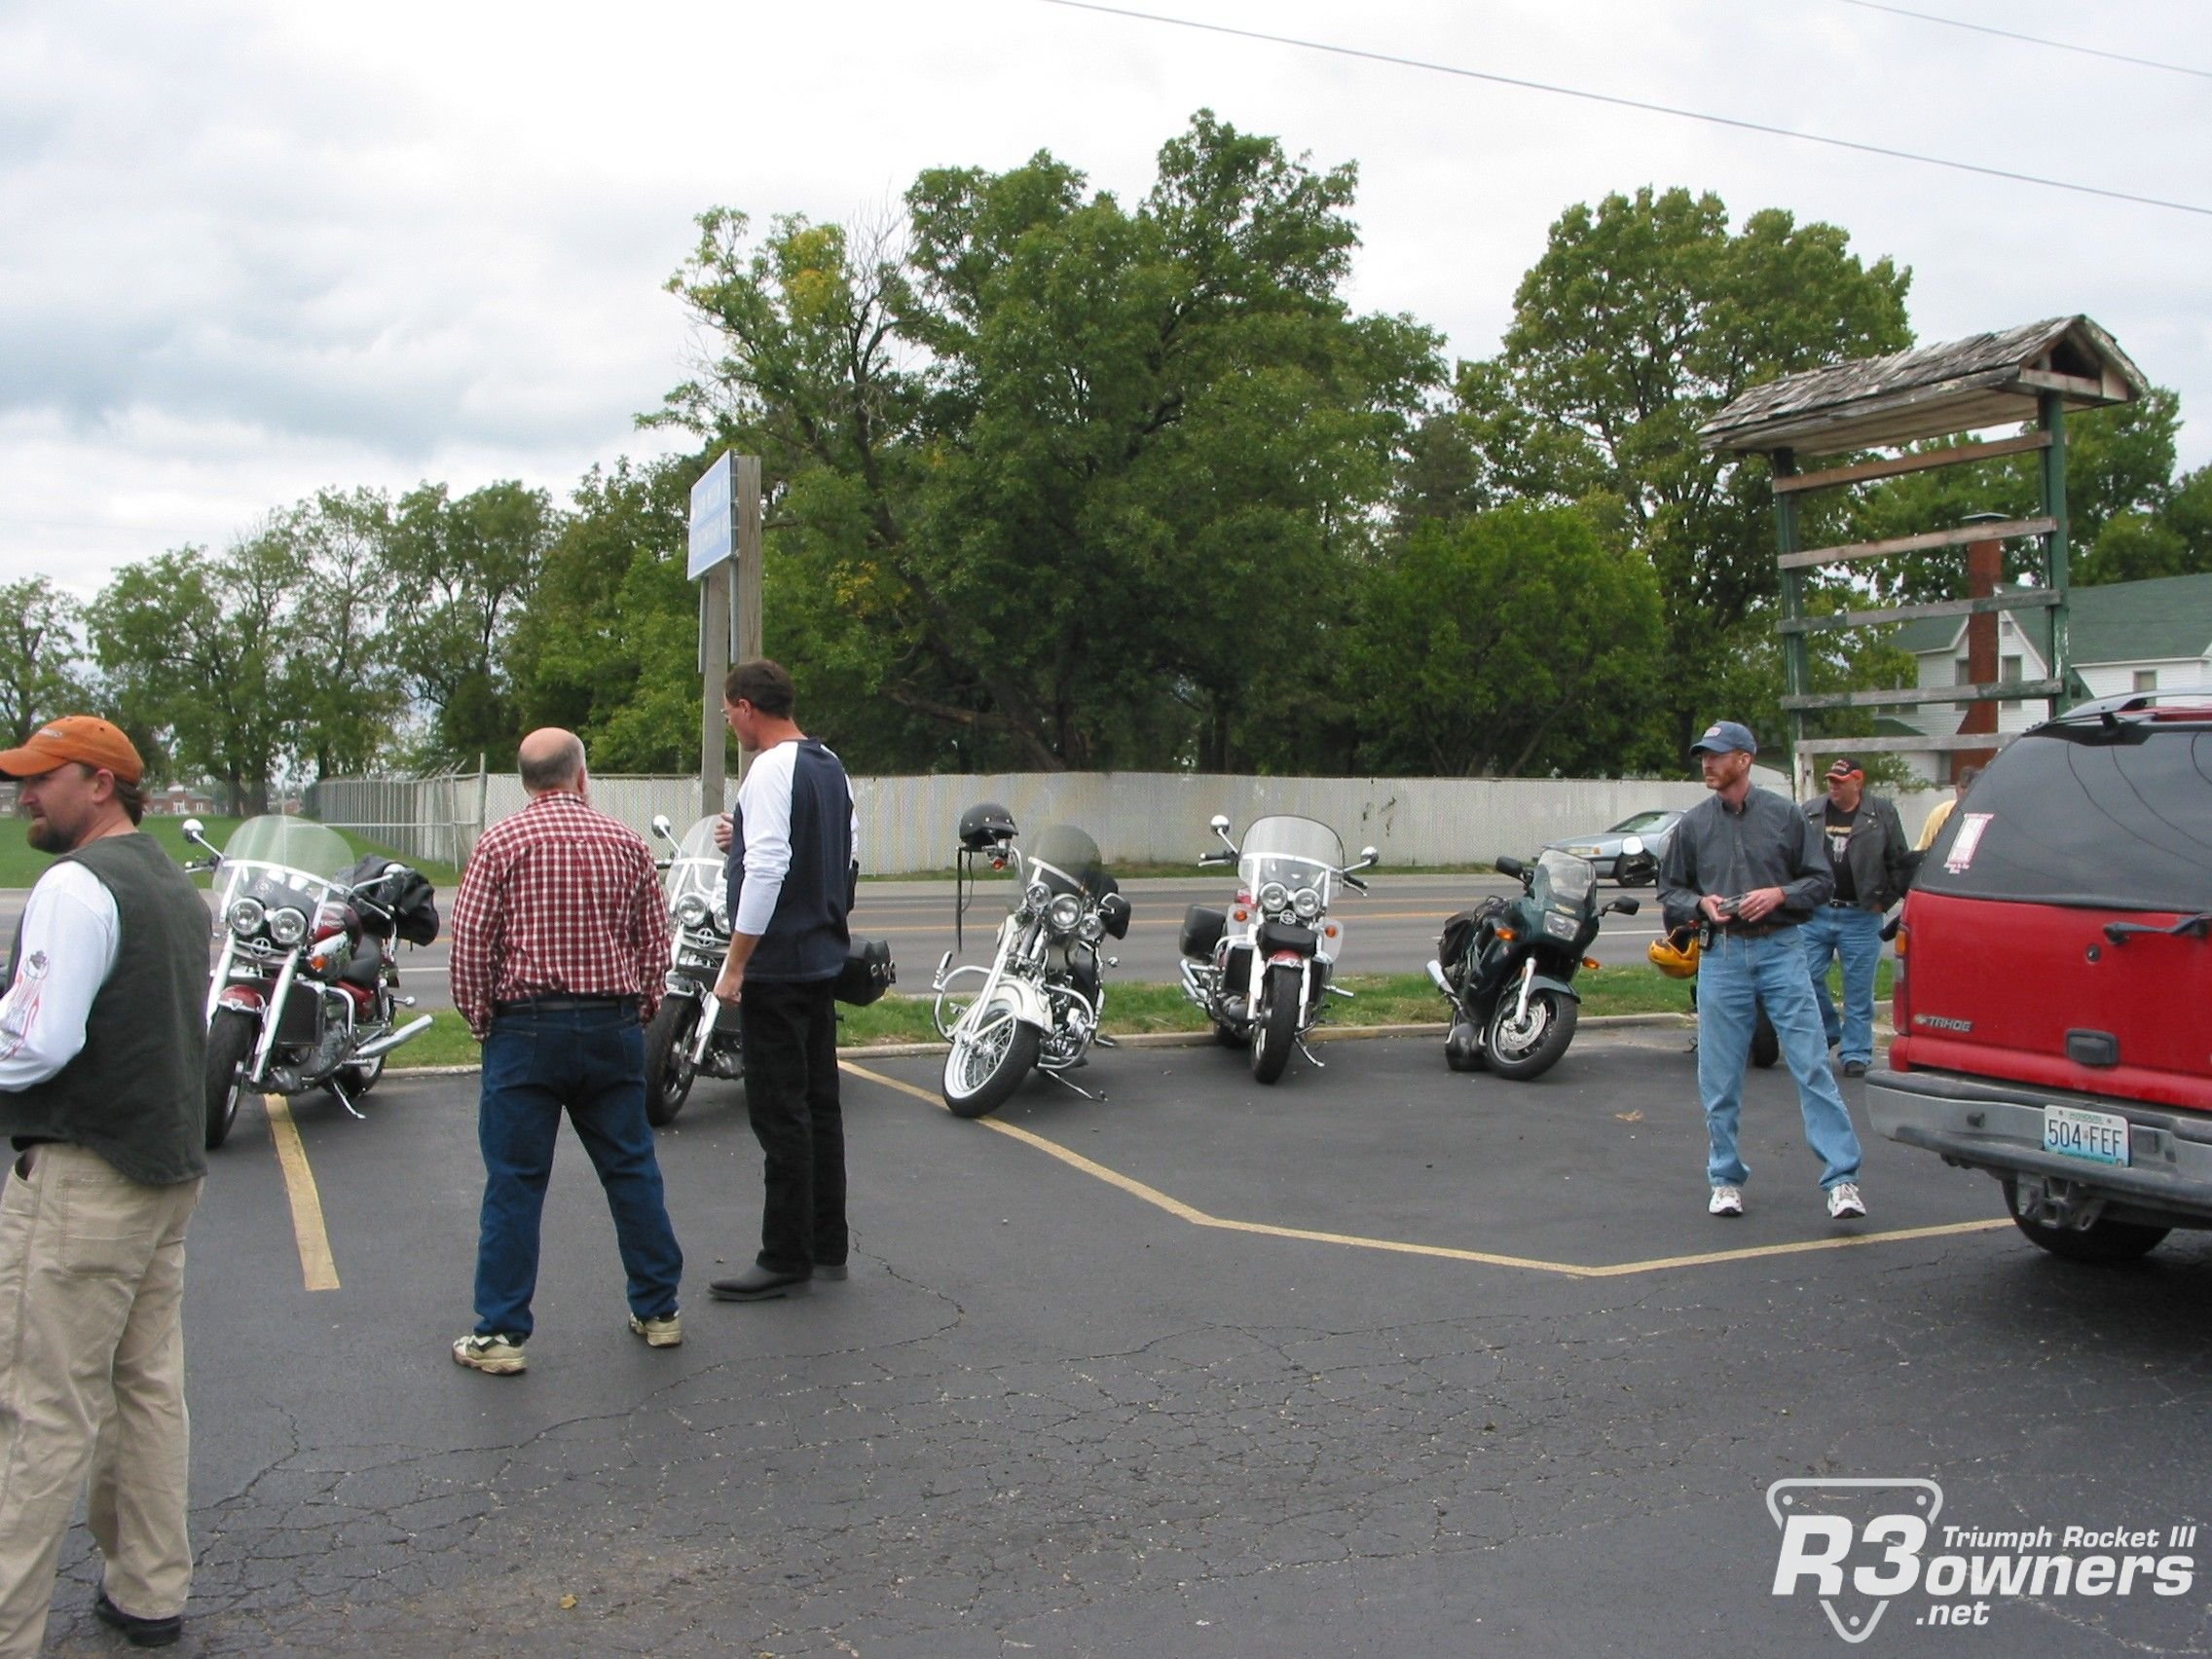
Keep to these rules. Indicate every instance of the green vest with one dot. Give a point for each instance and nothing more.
(136, 1094)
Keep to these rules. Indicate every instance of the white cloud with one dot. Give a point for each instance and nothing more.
(258, 249)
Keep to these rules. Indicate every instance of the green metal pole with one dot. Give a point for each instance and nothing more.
(1795, 658)
(2053, 408)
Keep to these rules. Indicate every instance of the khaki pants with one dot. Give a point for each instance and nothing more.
(92, 1384)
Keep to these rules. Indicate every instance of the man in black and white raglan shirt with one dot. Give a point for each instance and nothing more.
(793, 863)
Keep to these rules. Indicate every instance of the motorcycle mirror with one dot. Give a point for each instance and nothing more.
(663, 828)
(1508, 865)
(1627, 906)
(1369, 856)
(1218, 823)
(194, 828)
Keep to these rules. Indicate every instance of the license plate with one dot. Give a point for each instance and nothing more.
(2094, 1137)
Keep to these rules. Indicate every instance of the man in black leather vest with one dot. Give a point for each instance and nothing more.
(103, 1048)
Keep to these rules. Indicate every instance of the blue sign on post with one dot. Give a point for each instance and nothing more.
(712, 538)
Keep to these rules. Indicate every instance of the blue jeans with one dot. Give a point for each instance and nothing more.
(1734, 976)
(1855, 936)
(592, 1063)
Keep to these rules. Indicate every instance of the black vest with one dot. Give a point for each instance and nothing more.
(136, 1094)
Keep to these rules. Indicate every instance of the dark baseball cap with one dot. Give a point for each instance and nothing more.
(1722, 736)
(1844, 767)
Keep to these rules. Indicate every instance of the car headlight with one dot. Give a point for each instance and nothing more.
(1038, 895)
(1274, 897)
(287, 926)
(1064, 912)
(1307, 903)
(246, 917)
(1562, 927)
(691, 912)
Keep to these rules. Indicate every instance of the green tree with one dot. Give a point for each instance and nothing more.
(460, 574)
(40, 656)
(342, 684)
(606, 646)
(1073, 483)
(1643, 316)
(1509, 642)
(195, 653)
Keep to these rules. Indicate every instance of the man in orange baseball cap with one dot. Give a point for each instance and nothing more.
(104, 1045)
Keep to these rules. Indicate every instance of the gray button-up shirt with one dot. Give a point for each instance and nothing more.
(1769, 843)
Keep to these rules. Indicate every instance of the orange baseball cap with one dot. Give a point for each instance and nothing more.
(85, 738)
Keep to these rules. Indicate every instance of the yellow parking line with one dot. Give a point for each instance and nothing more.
(315, 1263)
(1570, 1269)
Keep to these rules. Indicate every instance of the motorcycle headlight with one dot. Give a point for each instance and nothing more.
(1037, 897)
(721, 911)
(1562, 927)
(1274, 897)
(1064, 912)
(287, 926)
(1307, 903)
(1090, 930)
(690, 911)
(246, 917)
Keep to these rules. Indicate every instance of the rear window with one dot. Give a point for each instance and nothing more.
(2109, 819)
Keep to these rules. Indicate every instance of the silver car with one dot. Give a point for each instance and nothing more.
(1604, 848)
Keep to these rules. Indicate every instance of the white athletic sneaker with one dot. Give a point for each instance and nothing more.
(1725, 1201)
(1844, 1203)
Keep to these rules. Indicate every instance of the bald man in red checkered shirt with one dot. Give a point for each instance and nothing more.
(560, 946)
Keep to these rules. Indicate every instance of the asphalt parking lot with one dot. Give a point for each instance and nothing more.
(1382, 1360)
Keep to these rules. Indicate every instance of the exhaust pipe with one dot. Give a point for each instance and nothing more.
(391, 1040)
(1436, 978)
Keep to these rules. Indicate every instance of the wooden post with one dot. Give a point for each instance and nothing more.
(714, 664)
(1796, 657)
(1985, 568)
(747, 567)
(2052, 408)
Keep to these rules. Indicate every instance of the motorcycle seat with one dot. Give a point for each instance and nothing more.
(368, 958)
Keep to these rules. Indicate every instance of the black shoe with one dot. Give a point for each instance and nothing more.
(835, 1271)
(758, 1284)
(1854, 1068)
(138, 1632)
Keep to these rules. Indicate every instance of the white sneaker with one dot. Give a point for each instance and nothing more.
(1844, 1202)
(1725, 1201)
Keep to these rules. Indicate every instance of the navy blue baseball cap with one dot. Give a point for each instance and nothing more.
(1722, 736)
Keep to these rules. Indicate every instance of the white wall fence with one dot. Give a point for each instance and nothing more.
(908, 824)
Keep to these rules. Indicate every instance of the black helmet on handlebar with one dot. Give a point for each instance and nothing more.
(985, 827)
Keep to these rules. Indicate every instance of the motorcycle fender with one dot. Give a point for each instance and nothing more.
(1545, 982)
(1030, 1005)
(246, 998)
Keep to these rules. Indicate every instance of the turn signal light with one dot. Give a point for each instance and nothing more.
(1242, 916)
(1330, 931)
(1588, 961)
(1507, 934)
(1897, 944)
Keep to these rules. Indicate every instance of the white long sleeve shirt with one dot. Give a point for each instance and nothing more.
(70, 935)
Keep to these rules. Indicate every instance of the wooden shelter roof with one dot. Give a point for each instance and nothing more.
(1987, 380)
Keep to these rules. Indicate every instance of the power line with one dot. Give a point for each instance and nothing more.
(1633, 104)
(2033, 40)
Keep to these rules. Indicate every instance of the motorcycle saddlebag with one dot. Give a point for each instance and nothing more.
(1460, 931)
(411, 899)
(867, 972)
(1201, 931)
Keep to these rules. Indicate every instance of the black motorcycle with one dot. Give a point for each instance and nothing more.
(1508, 968)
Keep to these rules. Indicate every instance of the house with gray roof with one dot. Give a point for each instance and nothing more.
(2148, 636)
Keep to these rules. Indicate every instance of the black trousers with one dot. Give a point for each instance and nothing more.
(790, 1093)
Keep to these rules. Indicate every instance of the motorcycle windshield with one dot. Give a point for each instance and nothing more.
(698, 866)
(1297, 852)
(1065, 860)
(277, 858)
(1562, 882)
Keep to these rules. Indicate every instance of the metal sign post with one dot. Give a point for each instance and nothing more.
(724, 559)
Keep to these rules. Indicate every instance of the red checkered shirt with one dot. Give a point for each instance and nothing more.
(557, 901)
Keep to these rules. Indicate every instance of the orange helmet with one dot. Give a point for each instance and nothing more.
(1676, 961)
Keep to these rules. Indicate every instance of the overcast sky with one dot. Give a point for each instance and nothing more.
(252, 248)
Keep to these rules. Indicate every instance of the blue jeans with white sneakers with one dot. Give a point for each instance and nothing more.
(1734, 977)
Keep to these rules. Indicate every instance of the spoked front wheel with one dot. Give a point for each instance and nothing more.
(992, 1050)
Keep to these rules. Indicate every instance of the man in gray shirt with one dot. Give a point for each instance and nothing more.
(1750, 867)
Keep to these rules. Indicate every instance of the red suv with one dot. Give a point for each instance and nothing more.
(2053, 1002)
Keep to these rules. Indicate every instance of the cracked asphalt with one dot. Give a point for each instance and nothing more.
(1049, 1416)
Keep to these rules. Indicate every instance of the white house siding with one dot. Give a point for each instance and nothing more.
(2117, 678)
